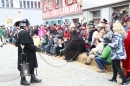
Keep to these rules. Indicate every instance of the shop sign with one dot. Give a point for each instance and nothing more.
(72, 9)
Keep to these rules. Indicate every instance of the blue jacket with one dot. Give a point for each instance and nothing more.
(117, 47)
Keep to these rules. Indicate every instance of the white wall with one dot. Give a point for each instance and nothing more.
(95, 3)
(33, 15)
(105, 13)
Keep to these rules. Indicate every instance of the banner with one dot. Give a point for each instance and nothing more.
(9, 21)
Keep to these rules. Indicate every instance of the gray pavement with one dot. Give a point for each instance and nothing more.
(73, 74)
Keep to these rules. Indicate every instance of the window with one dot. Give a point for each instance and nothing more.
(57, 4)
(57, 1)
(35, 3)
(28, 4)
(11, 3)
(31, 4)
(67, 20)
(2, 3)
(39, 5)
(118, 9)
(69, 1)
(7, 3)
(20, 4)
(123, 12)
(44, 7)
(24, 3)
(96, 14)
(50, 5)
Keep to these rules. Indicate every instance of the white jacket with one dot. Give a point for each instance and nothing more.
(99, 48)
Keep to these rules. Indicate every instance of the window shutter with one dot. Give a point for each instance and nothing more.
(73, 0)
(66, 2)
(42, 7)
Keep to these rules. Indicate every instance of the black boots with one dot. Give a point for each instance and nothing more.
(23, 81)
(34, 79)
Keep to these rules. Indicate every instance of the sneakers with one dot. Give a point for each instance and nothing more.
(101, 71)
(115, 81)
(128, 79)
(112, 80)
(123, 84)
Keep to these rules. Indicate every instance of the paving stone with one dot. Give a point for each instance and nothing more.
(70, 75)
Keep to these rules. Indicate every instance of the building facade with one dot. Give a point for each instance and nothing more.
(12, 10)
(100, 9)
(60, 11)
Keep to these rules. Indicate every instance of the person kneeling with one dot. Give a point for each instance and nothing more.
(104, 58)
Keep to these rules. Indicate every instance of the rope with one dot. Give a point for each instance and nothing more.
(57, 66)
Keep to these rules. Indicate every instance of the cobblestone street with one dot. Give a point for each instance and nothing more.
(73, 74)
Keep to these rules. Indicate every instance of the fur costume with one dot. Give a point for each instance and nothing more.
(74, 47)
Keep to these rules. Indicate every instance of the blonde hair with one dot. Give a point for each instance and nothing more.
(118, 28)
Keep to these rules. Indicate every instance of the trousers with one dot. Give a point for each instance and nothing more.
(117, 69)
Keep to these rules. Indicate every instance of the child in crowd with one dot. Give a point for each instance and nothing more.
(36, 40)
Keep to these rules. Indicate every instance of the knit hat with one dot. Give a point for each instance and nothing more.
(127, 19)
(104, 21)
(99, 26)
(91, 22)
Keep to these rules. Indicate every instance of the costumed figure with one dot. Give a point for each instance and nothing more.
(126, 63)
(30, 49)
(75, 46)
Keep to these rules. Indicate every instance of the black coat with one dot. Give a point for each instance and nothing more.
(74, 47)
(30, 49)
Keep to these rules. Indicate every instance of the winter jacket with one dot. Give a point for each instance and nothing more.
(93, 37)
(1, 32)
(50, 43)
(108, 35)
(106, 54)
(67, 35)
(117, 47)
(5, 33)
(61, 34)
(99, 48)
(41, 32)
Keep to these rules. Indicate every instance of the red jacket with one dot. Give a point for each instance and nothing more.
(53, 28)
(67, 35)
(59, 28)
(126, 62)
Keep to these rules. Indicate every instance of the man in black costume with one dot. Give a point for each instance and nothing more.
(30, 49)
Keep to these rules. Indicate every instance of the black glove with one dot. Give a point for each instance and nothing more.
(38, 49)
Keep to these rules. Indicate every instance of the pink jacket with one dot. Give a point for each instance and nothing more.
(41, 32)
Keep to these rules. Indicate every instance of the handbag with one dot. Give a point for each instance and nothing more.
(25, 70)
